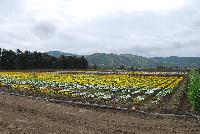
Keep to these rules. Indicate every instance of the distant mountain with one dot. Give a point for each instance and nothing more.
(102, 60)
(59, 53)
(127, 60)
(114, 60)
(179, 61)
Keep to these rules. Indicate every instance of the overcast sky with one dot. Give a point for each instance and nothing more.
(142, 27)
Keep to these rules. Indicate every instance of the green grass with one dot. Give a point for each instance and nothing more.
(194, 89)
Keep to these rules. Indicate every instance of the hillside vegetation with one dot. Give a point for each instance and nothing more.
(102, 60)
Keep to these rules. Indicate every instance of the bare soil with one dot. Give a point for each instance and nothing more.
(30, 116)
(175, 103)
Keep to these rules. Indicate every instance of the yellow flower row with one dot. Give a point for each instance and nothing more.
(123, 80)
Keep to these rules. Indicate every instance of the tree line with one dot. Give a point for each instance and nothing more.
(36, 60)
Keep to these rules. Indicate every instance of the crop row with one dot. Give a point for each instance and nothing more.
(115, 89)
(194, 89)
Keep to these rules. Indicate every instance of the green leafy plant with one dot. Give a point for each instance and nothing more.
(194, 89)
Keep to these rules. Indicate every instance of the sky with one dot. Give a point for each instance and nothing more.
(140, 27)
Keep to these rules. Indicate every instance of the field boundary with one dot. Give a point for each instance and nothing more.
(183, 115)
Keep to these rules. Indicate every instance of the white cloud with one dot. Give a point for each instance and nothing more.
(144, 27)
(89, 9)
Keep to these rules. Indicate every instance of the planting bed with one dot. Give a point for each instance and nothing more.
(132, 90)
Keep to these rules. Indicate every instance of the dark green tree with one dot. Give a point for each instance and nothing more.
(37, 60)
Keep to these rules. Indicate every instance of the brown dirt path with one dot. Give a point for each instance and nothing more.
(25, 115)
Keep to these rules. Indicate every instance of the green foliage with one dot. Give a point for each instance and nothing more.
(37, 60)
(194, 89)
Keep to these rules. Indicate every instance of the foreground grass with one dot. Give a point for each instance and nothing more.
(194, 89)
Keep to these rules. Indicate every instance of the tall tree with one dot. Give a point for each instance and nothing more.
(37, 60)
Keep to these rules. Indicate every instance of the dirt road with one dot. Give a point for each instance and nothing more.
(30, 116)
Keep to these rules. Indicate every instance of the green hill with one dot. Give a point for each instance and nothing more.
(102, 60)
(113, 60)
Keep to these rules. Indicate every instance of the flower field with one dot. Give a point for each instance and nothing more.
(121, 90)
